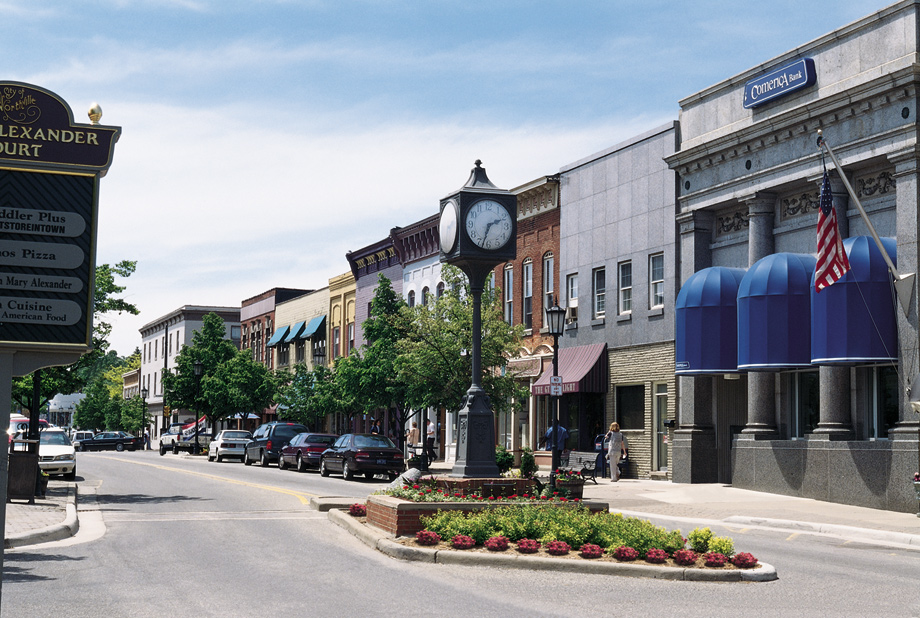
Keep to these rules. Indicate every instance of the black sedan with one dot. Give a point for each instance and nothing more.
(366, 453)
(112, 440)
(305, 450)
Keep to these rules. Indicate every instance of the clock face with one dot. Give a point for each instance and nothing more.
(488, 224)
(447, 228)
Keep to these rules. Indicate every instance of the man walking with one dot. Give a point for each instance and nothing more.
(429, 442)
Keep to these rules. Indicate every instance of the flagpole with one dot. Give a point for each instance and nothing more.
(904, 284)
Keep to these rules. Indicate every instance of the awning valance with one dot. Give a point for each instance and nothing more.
(707, 322)
(854, 321)
(313, 326)
(280, 334)
(774, 313)
(583, 369)
(295, 330)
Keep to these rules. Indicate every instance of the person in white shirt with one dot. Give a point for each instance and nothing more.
(429, 441)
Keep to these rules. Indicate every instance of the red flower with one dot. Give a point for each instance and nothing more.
(415, 487)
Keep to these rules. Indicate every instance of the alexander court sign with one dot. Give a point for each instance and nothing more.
(50, 168)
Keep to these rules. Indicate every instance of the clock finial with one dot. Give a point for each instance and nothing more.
(478, 178)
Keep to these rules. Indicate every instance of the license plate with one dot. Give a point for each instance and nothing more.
(381, 462)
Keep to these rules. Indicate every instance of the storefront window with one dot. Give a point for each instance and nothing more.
(883, 409)
(630, 402)
(806, 393)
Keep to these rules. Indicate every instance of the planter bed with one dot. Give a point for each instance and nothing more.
(401, 517)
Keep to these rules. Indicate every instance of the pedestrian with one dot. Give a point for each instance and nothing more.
(429, 442)
(147, 439)
(412, 435)
(561, 436)
(375, 428)
(616, 450)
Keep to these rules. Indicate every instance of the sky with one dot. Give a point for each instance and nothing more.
(264, 139)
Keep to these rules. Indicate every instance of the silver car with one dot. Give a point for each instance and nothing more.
(228, 443)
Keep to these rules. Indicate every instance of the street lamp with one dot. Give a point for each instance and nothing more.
(144, 426)
(555, 318)
(199, 369)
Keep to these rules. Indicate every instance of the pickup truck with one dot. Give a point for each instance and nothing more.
(188, 444)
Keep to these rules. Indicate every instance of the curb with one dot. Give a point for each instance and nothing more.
(63, 530)
(851, 533)
(383, 543)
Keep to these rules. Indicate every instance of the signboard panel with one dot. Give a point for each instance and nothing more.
(46, 255)
(780, 82)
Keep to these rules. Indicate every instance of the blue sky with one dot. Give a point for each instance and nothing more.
(263, 139)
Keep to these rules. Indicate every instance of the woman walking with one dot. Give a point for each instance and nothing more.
(616, 449)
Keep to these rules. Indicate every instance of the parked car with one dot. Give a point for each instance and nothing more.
(56, 455)
(20, 424)
(228, 443)
(109, 440)
(79, 436)
(305, 450)
(366, 453)
(268, 440)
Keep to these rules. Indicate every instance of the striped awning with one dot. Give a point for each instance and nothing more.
(583, 369)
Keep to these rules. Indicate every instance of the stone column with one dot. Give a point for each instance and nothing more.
(834, 408)
(761, 418)
(693, 452)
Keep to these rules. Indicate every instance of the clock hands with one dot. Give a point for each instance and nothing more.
(489, 227)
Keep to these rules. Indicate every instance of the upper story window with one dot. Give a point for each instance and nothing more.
(625, 286)
(656, 280)
(440, 289)
(527, 289)
(336, 341)
(509, 294)
(549, 288)
(425, 294)
(599, 292)
(351, 337)
(411, 298)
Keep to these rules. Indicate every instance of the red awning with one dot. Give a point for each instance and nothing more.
(583, 369)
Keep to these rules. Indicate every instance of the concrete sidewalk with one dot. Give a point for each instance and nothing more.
(51, 518)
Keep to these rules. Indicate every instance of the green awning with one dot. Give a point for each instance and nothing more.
(277, 337)
(295, 330)
(313, 326)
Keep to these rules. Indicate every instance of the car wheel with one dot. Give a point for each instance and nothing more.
(263, 459)
(119, 447)
(175, 449)
(323, 470)
(281, 464)
(300, 465)
(246, 460)
(220, 458)
(162, 450)
(347, 472)
(210, 457)
(392, 476)
(72, 475)
(369, 476)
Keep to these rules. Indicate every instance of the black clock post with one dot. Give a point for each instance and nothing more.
(478, 230)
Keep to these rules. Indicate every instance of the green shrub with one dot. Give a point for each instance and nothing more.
(529, 465)
(503, 459)
(699, 540)
(722, 545)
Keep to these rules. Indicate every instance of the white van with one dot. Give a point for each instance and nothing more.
(80, 435)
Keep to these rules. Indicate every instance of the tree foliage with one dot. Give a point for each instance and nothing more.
(231, 382)
(104, 405)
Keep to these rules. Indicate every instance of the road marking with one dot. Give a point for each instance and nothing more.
(792, 536)
(303, 496)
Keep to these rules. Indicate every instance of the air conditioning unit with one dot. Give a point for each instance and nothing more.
(571, 314)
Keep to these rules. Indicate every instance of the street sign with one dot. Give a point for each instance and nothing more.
(555, 390)
(555, 380)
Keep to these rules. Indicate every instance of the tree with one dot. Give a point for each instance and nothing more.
(431, 359)
(104, 405)
(231, 382)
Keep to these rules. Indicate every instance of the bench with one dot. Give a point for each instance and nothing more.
(583, 462)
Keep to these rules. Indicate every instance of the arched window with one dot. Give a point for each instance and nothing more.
(425, 294)
(411, 299)
(440, 289)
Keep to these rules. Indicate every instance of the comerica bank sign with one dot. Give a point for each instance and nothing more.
(775, 84)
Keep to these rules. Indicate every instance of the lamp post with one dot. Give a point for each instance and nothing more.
(144, 425)
(199, 369)
(555, 318)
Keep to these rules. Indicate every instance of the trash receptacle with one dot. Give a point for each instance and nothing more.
(600, 447)
(22, 476)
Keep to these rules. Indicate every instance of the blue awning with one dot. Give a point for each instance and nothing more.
(707, 322)
(277, 337)
(854, 320)
(295, 330)
(774, 313)
(313, 326)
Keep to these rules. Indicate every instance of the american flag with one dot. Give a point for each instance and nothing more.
(832, 261)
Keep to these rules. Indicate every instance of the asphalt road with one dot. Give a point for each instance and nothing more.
(173, 536)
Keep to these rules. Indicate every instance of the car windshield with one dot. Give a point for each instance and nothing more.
(237, 435)
(320, 439)
(373, 442)
(57, 438)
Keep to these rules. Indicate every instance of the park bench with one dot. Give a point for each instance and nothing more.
(583, 462)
